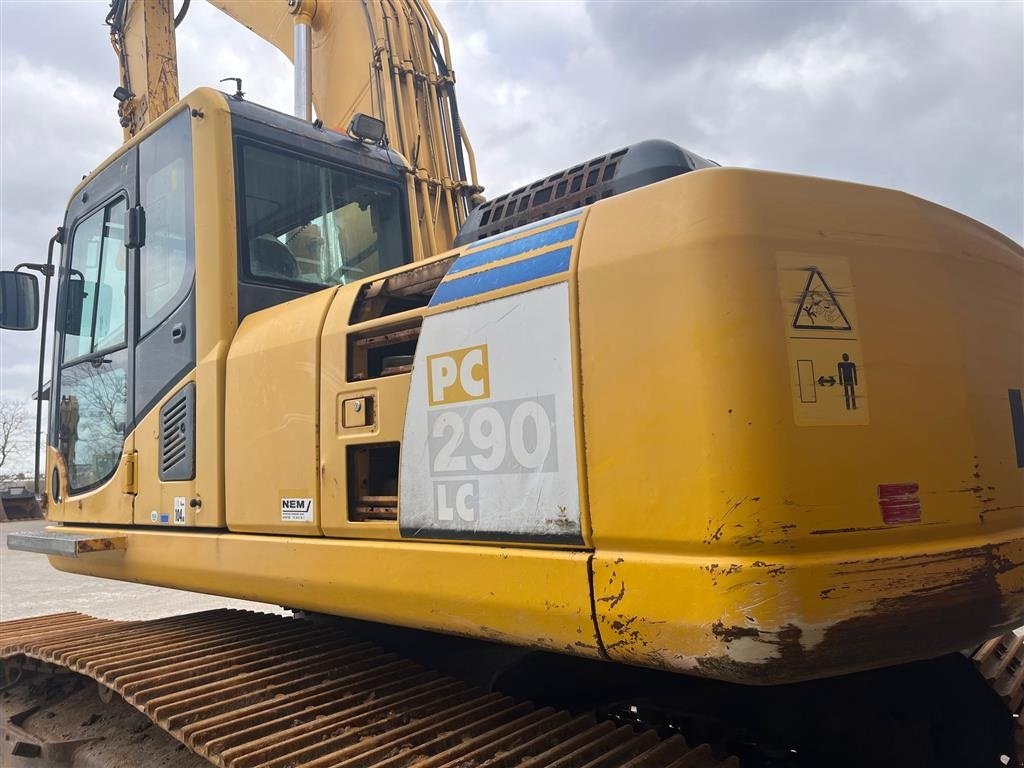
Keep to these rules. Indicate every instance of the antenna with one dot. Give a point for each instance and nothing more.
(239, 93)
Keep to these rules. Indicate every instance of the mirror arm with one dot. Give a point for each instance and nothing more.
(47, 271)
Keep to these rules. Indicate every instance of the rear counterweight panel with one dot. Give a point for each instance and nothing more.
(800, 447)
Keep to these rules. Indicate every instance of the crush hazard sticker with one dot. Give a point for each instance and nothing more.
(828, 381)
(490, 440)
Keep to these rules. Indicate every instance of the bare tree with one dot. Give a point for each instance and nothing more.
(14, 424)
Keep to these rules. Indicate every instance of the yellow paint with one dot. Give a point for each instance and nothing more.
(155, 495)
(389, 394)
(148, 63)
(272, 415)
(519, 596)
(717, 522)
(109, 504)
(820, 322)
(711, 507)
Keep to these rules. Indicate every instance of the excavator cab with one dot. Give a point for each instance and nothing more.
(218, 210)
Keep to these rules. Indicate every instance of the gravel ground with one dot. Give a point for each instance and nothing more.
(30, 587)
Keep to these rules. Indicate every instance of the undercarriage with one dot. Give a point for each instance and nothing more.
(239, 689)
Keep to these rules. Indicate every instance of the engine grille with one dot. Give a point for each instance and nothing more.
(178, 436)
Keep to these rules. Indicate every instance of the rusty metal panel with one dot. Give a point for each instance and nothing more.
(251, 690)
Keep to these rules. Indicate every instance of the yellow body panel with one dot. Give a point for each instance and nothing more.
(381, 418)
(510, 595)
(154, 496)
(272, 419)
(110, 503)
(727, 534)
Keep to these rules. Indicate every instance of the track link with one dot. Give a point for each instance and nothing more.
(252, 690)
(1001, 662)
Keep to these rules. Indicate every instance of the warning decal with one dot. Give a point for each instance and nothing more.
(826, 362)
(819, 309)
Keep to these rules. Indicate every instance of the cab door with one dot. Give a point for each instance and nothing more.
(92, 447)
(164, 385)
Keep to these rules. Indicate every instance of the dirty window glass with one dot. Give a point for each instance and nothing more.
(314, 224)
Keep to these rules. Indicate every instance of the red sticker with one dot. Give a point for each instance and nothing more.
(900, 503)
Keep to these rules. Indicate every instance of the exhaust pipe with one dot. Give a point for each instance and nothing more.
(302, 58)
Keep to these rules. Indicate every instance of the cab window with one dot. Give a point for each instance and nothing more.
(97, 285)
(309, 224)
(166, 262)
(93, 407)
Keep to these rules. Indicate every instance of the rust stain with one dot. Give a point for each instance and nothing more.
(614, 600)
(728, 634)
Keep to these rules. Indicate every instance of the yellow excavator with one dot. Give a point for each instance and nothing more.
(712, 465)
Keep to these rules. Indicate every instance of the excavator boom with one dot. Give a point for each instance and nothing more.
(389, 59)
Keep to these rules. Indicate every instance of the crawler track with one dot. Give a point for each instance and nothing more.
(1001, 662)
(250, 690)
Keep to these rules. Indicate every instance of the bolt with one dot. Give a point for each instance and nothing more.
(357, 407)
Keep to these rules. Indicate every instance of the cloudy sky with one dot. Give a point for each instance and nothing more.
(923, 97)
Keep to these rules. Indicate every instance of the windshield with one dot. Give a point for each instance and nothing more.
(309, 223)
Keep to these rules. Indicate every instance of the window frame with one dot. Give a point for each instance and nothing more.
(191, 266)
(122, 349)
(245, 275)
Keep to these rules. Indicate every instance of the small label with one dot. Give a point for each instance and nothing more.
(899, 503)
(296, 510)
(165, 518)
(179, 510)
(154, 516)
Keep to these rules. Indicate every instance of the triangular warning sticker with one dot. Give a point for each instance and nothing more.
(819, 308)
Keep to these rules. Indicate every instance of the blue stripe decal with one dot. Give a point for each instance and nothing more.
(1017, 420)
(515, 247)
(550, 263)
(531, 227)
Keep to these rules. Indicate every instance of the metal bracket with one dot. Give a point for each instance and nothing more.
(65, 544)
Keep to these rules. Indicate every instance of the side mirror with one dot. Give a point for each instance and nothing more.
(19, 301)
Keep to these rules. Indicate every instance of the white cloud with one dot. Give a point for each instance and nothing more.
(925, 97)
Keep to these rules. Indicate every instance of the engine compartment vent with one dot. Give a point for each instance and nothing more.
(635, 166)
(178, 435)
